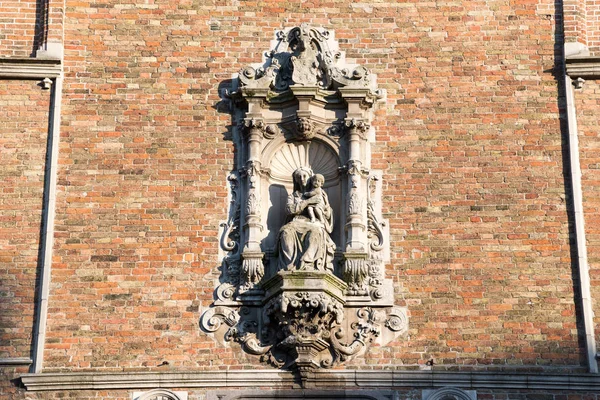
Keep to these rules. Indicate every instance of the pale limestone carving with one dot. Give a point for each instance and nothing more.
(293, 155)
(230, 244)
(375, 228)
(306, 129)
(305, 244)
(356, 272)
(305, 56)
(271, 131)
(304, 248)
(230, 236)
(354, 203)
(317, 211)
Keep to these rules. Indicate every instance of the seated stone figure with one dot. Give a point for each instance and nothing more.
(303, 244)
(316, 211)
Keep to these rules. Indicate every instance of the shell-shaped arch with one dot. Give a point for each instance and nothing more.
(314, 154)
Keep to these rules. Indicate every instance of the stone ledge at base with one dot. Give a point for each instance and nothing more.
(355, 394)
(323, 379)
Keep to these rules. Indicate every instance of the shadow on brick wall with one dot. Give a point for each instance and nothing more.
(558, 71)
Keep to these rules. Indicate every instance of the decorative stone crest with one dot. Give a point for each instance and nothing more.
(304, 248)
(305, 56)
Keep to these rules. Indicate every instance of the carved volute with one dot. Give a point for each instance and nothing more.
(304, 247)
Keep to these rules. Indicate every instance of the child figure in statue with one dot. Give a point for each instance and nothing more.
(315, 211)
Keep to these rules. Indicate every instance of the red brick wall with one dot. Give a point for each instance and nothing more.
(587, 103)
(469, 142)
(575, 22)
(18, 18)
(23, 127)
(17, 27)
(472, 145)
(593, 25)
(55, 20)
(582, 23)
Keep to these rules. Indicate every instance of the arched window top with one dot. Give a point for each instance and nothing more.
(161, 394)
(448, 393)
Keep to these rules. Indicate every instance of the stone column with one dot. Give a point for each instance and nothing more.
(356, 268)
(252, 269)
(355, 225)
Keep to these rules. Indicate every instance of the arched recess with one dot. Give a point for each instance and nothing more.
(281, 159)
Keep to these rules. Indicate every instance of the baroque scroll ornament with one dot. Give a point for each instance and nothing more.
(306, 56)
(305, 330)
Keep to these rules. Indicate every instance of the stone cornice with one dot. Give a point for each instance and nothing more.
(15, 361)
(144, 380)
(29, 68)
(317, 380)
(586, 67)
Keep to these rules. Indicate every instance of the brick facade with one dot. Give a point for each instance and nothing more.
(23, 134)
(18, 27)
(24, 110)
(472, 142)
(27, 25)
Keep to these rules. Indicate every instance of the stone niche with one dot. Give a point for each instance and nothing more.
(304, 249)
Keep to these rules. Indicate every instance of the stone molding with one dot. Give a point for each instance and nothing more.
(586, 67)
(15, 361)
(317, 380)
(302, 394)
(29, 68)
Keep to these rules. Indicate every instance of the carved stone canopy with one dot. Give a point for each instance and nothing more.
(304, 248)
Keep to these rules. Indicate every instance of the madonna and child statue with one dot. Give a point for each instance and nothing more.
(304, 241)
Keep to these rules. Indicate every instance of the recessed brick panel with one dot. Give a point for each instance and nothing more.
(587, 103)
(23, 135)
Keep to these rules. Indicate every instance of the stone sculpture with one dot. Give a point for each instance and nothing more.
(304, 248)
(304, 242)
(317, 210)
